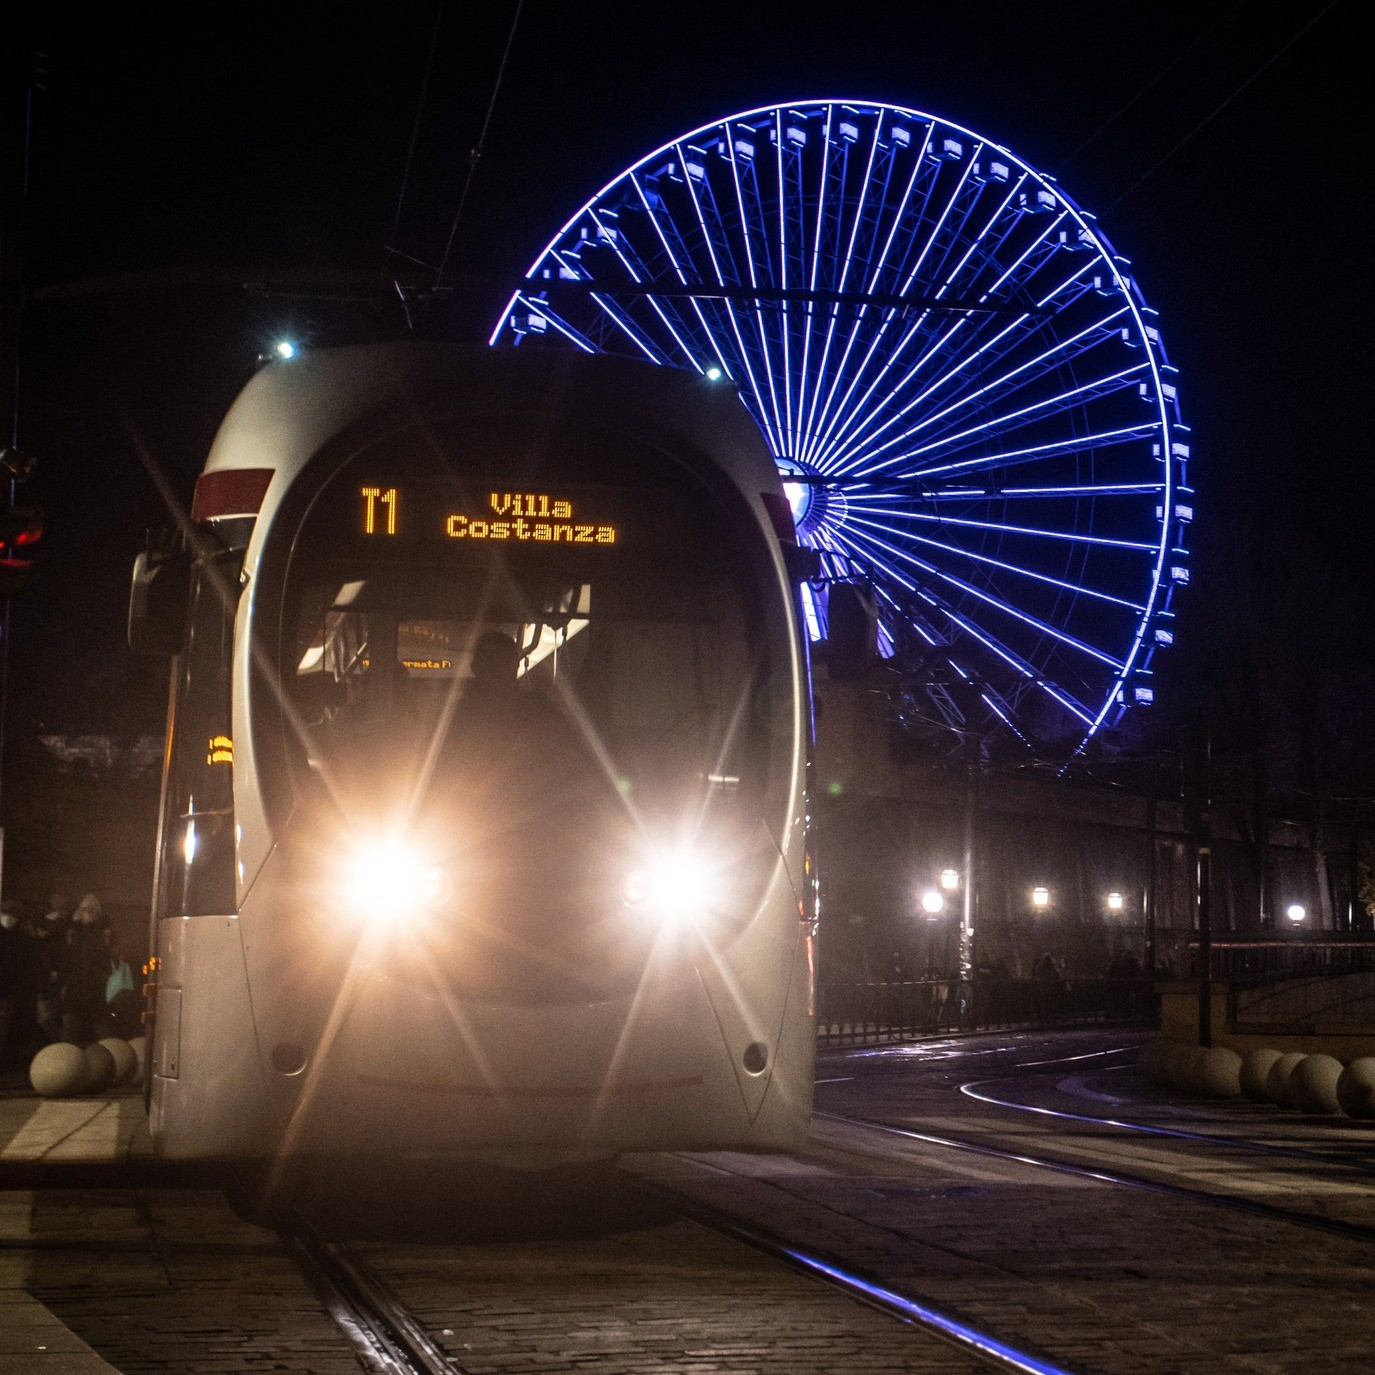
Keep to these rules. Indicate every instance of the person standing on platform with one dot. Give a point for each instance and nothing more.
(49, 938)
(16, 963)
(85, 967)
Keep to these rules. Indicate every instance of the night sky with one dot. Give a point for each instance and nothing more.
(178, 154)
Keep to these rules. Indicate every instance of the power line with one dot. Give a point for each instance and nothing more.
(415, 131)
(1212, 115)
(476, 152)
(1148, 87)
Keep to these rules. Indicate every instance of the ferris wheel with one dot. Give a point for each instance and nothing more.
(964, 390)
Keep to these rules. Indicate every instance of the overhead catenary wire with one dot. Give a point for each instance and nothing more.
(1218, 109)
(391, 245)
(475, 154)
(1147, 88)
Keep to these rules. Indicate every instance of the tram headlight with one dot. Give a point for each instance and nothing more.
(386, 879)
(673, 886)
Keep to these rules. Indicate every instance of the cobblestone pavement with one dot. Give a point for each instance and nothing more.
(167, 1282)
(1101, 1277)
(671, 1298)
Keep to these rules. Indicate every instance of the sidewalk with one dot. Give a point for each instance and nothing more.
(97, 1130)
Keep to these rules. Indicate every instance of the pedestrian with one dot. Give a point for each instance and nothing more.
(15, 975)
(85, 967)
(49, 938)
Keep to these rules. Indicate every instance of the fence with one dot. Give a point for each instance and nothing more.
(875, 1013)
(1296, 982)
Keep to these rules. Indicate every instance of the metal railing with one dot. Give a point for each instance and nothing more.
(875, 1013)
(1298, 982)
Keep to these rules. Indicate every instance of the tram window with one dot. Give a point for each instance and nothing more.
(198, 854)
(658, 664)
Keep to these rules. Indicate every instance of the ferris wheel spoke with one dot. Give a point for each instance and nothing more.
(823, 424)
(1064, 351)
(992, 601)
(742, 353)
(1079, 589)
(1069, 536)
(1012, 420)
(937, 347)
(638, 271)
(782, 426)
(848, 414)
(828, 181)
(716, 351)
(848, 262)
(1020, 665)
(1033, 453)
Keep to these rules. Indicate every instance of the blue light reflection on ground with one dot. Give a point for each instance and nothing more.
(961, 1332)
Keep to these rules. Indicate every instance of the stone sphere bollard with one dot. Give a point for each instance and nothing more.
(1313, 1084)
(100, 1069)
(1277, 1087)
(124, 1056)
(1356, 1088)
(1255, 1071)
(58, 1070)
(1217, 1073)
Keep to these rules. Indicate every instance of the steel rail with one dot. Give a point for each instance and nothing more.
(917, 1312)
(1351, 1230)
(385, 1335)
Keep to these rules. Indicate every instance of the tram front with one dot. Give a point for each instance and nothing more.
(519, 700)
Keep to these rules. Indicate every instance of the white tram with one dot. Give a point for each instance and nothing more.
(483, 821)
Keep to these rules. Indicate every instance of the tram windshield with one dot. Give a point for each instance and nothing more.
(484, 649)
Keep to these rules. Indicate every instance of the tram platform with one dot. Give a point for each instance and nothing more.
(99, 1130)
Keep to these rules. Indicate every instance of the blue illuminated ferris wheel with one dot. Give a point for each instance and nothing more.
(961, 383)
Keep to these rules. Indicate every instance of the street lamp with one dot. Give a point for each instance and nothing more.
(950, 879)
(932, 902)
(1296, 912)
(1114, 902)
(1040, 897)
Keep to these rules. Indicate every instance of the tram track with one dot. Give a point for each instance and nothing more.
(1272, 1212)
(976, 1090)
(385, 1335)
(989, 1139)
(389, 1339)
(917, 1312)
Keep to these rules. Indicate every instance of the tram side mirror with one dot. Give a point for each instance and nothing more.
(157, 600)
(851, 632)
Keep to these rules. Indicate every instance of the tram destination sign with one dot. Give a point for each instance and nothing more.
(428, 514)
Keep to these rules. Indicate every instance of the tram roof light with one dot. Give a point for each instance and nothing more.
(1040, 897)
(1296, 912)
(950, 879)
(285, 349)
(932, 901)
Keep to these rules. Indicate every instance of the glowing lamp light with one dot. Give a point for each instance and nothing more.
(714, 374)
(1114, 902)
(950, 879)
(1040, 897)
(386, 879)
(674, 886)
(285, 349)
(932, 901)
(1296, 912)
